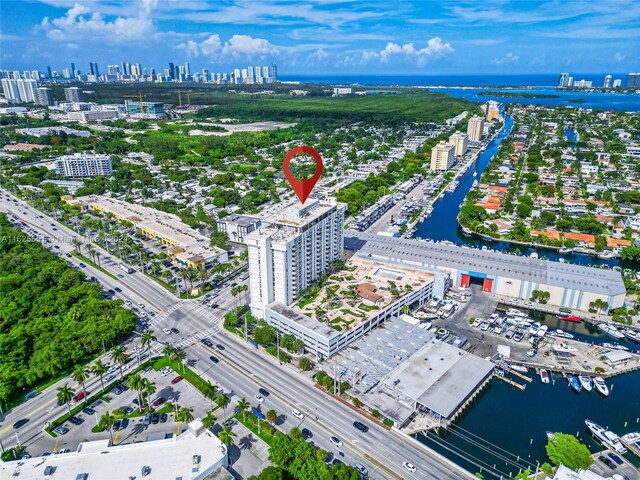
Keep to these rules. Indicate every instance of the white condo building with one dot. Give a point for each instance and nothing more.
(84, 165)
(442, 156)
(291, 249)
(461, 143)
(475, 128)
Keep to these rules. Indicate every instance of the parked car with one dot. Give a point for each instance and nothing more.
(163, 417)
(155, 418)
(75, 420)
(159, 401)
(176, 380)
(615, 458)
(61, 430)
(230, 423)
(88, 411)
(607, 462)
(147, 419)
(124, 423)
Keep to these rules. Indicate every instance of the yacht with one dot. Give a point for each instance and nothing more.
(607, 437)
(610, 330)
(550, 435)
(484, 326)
(542, 330)
(519, 368)
(574, 383)
(631, 335)
(601, 386)
(514, 312)
(615, 346)
(497, 330)
(564, 348)
(565, 250)
(518, 336)
(585, 381)
(534, 255)
(533, 330)
(544, 376)
(561, 334)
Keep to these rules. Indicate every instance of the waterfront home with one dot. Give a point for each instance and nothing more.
(633, 222)
(490, 205)
(550, 234)
(616, 244)
(581, 239)
(503, 226)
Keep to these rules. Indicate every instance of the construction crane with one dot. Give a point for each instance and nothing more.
(139, 96)
(180, 92)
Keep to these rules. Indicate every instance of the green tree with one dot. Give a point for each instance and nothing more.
(185, 415)
(567, 450)
(305, 364)
(210, 392)
(209, 420)
(64, 394)
(119, 356)
(106, 421)
(547, 468)
(80, 376)
(147, 339)
(226, 436)
(271, 416)
(223, 402)
(98, 368)
(243, 407)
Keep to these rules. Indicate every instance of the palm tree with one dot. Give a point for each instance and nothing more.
(173, 354)
(184, 274)
(65, 395)
(209, 420)
(234, 292)
(136, 382)
(97, 256)
(223, 401)
(210, 392)
(184, 415)
(148, 387)
(147, 338)
(271, 416)
(80, 376)
(90, 251)
(106, 421)
(406, 309)
(99, 369)
(76, 244)
(243, 406)
(226, 436)
(119, 356)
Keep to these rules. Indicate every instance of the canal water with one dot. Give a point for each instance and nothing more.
(442, 225)
(504, 429)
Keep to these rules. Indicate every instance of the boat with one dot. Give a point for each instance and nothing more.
(544, 376)
(631, 335)
(610, 330)
(585, 381)
(533, 330)
(565, 250)
(509, 333)
(550, 435)
(615, 346)
(519, 368)
(475, 174)
(476, 322)
(601, 386)
(574, 383)
(518, 336)
(514, 312)
(542, 330)
(484, 326)
(607, 437)
(475, 183)
(561, 334)
(632, 440)
(531, 353)
(534, 255)
(497, 330)
(570, 318)
(564, 348)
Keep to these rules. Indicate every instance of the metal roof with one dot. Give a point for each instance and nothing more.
(434, 255)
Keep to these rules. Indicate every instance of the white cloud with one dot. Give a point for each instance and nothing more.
(319, 57)
(238, 46)
(80, 23)
(618, 57)
(435, 48)
(508, 58)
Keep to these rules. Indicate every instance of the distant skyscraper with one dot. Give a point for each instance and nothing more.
(460, 141)
(475, 128)
(171, 69)
(10, 90)
(27, 88)
(617, 83)
(274, 72)
(570, 82)
(187, 69)
(43, 96)
(633, 80)
(48, 71)
(265, 73)
(236, 76)
(73, 69)
(73, 94)
(258, 75)
(66, 73)
(607, 81)
(564, 80)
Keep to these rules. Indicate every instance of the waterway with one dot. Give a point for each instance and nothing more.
(504, 430)
(440, 225)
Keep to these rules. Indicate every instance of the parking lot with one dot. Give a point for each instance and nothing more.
(136, 428)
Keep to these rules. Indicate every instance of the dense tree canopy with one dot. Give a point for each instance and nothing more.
(50, 316)
(567, 450)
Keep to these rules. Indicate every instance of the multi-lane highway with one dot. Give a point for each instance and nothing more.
(241, 371)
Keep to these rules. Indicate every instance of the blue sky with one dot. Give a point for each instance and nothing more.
(395, 37)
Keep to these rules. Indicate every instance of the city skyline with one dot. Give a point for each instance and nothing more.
(326, 37)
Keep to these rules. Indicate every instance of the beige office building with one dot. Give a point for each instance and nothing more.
(442, 157)
(475, 128)
(461, 143)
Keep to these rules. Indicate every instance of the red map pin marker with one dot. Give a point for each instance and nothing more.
(302, 187)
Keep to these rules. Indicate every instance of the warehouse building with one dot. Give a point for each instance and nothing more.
(569, 286)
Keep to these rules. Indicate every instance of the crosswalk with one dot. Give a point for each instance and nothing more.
(158, 318)
(198, 336)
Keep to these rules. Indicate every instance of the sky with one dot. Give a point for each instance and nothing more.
(326, 37)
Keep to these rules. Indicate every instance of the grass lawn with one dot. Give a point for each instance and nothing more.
(368, 308)
(346, 311)
(182, 370)
(307, 301)
(267, 432)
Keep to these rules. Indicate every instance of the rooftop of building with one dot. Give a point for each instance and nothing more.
(298, 214)
(341, 302)
(188, 455)
(165, 224)
(414, 252)
(239, 220)
(401, 363)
